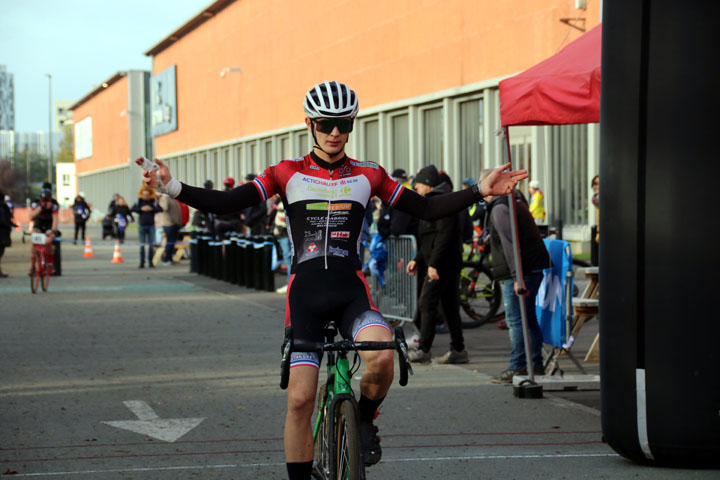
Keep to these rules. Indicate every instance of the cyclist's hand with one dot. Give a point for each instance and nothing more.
(520, 292)
(501, 182)
(433, 273)
(411, 267)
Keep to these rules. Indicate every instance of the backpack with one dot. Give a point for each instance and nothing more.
(184, 213)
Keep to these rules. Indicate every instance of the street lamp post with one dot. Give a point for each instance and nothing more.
(50, 109)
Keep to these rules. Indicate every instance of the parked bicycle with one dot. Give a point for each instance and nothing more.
(338, 455)
(480, 294)
(41, 270)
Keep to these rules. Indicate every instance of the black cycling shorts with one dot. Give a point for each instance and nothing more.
(317, 297)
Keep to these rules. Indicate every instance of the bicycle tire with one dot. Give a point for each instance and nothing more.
(322, 468)
(483, 302)
(348, 456)
(45, 278)
(35, 277)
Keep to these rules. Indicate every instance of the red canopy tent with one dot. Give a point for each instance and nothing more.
(563, 89)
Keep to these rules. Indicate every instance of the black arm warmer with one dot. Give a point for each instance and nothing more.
(436, 206)
(216, 201)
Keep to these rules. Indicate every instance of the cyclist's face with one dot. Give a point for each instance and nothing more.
(332, 142)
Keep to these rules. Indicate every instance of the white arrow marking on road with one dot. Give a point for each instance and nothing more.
(148, 423)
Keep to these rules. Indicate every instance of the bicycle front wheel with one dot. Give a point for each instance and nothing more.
(348, 459)
(322, 470)
(37, 272)
(45, 275)
(480, 295)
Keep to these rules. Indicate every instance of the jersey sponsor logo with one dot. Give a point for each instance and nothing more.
(312, 248)
(344, 171)
(328, 206)
(313, 167)
(329, 192)
(316, 235)
(338, 252)
(340, 235)
(364, 164)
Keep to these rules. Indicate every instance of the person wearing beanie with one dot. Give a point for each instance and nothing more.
(438, 261)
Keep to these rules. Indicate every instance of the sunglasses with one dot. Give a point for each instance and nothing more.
(344, 125)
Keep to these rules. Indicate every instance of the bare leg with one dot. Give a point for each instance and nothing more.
(301, 403)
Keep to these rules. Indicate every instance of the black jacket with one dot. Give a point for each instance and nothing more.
(440, 245)
(535, 257)
(146, 218)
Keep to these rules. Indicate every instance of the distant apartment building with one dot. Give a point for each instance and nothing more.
(7, 100)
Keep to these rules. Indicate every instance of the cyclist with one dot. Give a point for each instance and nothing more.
(44, 215)
(325, 194)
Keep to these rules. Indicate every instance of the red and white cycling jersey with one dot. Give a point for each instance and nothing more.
(325, 207)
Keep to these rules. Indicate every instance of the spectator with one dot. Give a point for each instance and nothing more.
(228, 222)
(534, 259)
(440, 251)
(121, 216)
(81, 211)
(170, 221)
(595, 185)
(146, 207)
(392, 221)
(281, 233)
(476, 210)
(255, 215)
(537, 202)
(10, 205)
(205, 221)
(113, 202)
(6, 226)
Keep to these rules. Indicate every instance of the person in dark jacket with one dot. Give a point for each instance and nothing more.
(81, 210)
(534, 259)
(121, 216)
(6, 225)
(255, 215)
(227, 222)
(440, 252)
(146, 207)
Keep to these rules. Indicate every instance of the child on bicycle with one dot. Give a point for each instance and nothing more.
(44, 215)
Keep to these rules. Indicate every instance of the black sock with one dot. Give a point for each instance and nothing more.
(299, 470)
(367, 407)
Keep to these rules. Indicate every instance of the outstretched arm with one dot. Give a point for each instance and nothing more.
(213, 201)
(501, 181)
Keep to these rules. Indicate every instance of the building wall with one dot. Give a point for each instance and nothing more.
(110, 130)
(387, 52)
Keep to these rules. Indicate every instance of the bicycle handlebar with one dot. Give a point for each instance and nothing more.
(291, 345)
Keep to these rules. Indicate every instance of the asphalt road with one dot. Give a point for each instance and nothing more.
(122, 373)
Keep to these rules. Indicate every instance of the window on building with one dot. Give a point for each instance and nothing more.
(284, 148)
(470, 148)
(400, 142)
(66, 180)
(432, 137)
(568, 168)
(371, 136)
(303, 144)
(270, 158)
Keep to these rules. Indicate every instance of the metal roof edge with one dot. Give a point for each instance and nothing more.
(204, 14)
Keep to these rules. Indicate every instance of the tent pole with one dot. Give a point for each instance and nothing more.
(531, 390)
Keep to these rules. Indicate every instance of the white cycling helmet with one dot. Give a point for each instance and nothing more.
(331, 100)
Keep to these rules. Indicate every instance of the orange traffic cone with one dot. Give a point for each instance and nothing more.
(117, 255)
(88, 249)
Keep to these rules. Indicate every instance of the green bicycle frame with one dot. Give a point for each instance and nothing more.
(338, 382)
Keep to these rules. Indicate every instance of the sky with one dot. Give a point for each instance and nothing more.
(81, 43)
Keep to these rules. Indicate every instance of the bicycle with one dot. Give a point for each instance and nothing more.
(336, 437)
(41, 271)
(480, 294)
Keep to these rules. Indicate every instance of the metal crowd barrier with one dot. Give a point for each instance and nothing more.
(398, 300)
(239, 259)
